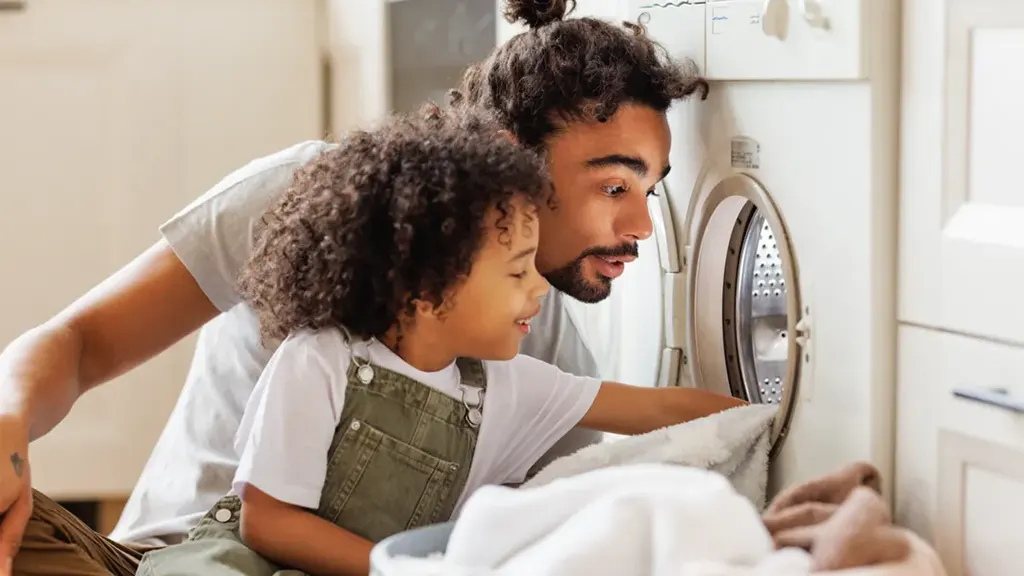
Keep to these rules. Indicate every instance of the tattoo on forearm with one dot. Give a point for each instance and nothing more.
(19, 464)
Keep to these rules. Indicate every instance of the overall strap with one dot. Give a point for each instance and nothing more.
(472, 372)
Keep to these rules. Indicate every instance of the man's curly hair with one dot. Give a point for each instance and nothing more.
(563, 70)
(392, 215)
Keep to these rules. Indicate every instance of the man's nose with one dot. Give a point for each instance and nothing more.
(634, 221)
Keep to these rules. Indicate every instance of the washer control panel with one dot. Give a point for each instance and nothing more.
(762, 39)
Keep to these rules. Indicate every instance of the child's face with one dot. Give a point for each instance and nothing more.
(491, 310)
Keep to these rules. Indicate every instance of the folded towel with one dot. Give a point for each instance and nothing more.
(735, 443)
(840, 519)
(635, 520)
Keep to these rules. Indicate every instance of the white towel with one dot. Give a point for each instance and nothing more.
(734, 443)
(637, 520)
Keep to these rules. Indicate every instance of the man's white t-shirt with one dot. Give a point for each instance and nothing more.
(291, 417)
(194, 461)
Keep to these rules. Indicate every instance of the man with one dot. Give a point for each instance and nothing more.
(590, 95)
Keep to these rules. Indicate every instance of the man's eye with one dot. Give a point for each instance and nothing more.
(615, 189)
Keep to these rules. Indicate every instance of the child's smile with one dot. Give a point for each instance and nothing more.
(524, 323)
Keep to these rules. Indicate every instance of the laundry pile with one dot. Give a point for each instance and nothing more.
(636, 520)
(611, 509)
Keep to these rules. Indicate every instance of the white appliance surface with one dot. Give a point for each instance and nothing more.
(801, 120)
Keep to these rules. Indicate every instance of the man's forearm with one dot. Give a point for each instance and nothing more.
(39, 377)
(138, 312)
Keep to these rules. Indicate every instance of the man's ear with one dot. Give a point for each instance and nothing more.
(508, 135)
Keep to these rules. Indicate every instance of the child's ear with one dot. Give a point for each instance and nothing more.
(424, 307)
(428, 306)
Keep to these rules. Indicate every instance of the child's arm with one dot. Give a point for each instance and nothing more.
(538, 404)
(297, 538)
(283, 440)
(623, 409)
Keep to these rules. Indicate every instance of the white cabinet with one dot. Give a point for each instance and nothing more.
(114, 114)
(961, 232)
(960, 421)
(960, 462)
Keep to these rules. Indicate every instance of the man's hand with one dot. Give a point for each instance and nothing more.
(15, 489)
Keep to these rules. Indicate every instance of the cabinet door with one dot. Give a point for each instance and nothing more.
(114, 114)
(960, 449)
(962, 241)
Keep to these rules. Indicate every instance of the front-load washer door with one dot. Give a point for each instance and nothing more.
(741, 304)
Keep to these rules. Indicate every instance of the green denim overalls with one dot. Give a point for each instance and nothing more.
(399, 459)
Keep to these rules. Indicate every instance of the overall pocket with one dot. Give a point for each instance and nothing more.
(378, 485)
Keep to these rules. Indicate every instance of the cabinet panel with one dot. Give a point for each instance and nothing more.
(960, 449)
(115, 114)
(962, 245)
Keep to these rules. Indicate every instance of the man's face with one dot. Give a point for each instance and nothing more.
(602, 174)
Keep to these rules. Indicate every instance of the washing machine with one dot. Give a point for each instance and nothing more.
(771, 273)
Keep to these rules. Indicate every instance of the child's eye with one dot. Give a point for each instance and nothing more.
(652, 192)
(615, 189)
(520, 275)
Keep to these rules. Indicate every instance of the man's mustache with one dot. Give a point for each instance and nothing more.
(625, 249)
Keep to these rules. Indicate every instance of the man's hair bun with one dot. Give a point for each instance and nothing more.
(537, 13)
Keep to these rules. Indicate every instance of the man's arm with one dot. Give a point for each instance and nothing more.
(297, 538)
(133, 315)
(623, 409)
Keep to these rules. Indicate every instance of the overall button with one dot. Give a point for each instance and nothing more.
(354, 425)
(222, 515)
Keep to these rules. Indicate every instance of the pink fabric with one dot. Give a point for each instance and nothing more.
(923, 561)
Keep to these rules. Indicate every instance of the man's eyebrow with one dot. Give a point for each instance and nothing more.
(523, 254)
(632, 162)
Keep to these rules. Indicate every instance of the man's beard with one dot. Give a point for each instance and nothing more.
(569, 279)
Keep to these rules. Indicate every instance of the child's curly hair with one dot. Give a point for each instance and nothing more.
(392, 215)
(574, 69)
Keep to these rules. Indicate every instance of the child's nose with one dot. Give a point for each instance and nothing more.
(539, 286)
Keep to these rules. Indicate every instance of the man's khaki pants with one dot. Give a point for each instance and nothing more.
(56, 542)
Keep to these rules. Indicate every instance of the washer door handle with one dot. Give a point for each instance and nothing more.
(12, 5)
(998, 397)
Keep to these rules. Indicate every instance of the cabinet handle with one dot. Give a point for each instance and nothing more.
(12, 5)
(998, 397)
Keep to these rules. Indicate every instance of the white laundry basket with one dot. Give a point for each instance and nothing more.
(418, 543)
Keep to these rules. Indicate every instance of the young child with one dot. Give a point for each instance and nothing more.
(399, 272)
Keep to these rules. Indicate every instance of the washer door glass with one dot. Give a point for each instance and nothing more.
(760, 315)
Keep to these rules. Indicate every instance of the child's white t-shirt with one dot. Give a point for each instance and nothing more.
(290, 419)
